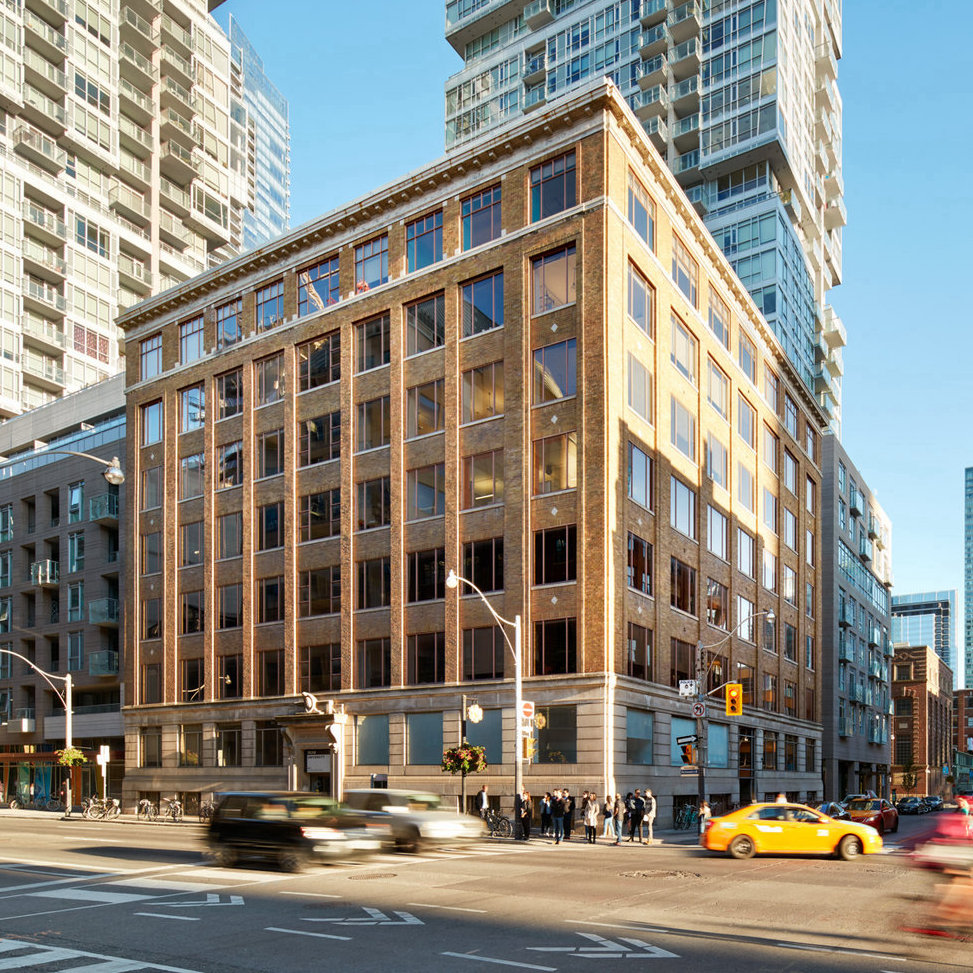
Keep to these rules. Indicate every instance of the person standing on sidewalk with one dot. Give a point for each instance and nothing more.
(609, 829)
(568, 813)
(526, 814)
(648, 817)
(618, 817)
(591, 819)
(546, 814)
(557, 816)
(635, 817)
(482, 802)
(705, 813)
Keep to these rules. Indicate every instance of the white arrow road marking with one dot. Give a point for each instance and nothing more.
(608, 949)
(301, 932)
(212, 898)
(376, 918)
(159, 915)
(502, 962)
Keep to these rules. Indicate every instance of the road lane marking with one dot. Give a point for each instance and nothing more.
(162, 884)
(40, 885)
(618, 925)
(91, 895)
(50, 956)
(109, 964)
(502, 962)
(301, 932)
(451, 908)
(159, 915)
(809, 948)
(317, 895)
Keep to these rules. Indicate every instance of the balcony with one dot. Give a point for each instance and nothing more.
(875, 668)
(658, 132)
(834, 185)
(44, 574)
(172, 231)
(41, 261)
(685, 133)
(177, 66)
(686, 167)
(89, 722)
(137, 31)
(210, 219)
(846, 616)
(846, 651)
(685, 21)
(653, 12)
(43, 38)
(54, 10)
(654, 41)
(41, 150)
(874, 527)
(865, 551)
(172, 124)
(685, 58)
(835, 213)
(535, 68)
(824, 96)
(103, 509)
(129, 203)
(48, 334)
(652, 71)
(467, 20)
(172, 93)
(844, 726)
(134, 274)
(23, 722)
(538, 13)
(136, 67)
(855, 502)
(685, 95)
(137, 103)
(176, 198)
(178, 163)
(176, 36)
(104, 611)
(43, 297)
(535, 96)
(888, 650)
(834, 331)
(651, 103)
(43, 75)
(874, 635)
(44, 112)
(103, 663)
(825, 63)
(696, 195)
(44, 371)
(134, 138)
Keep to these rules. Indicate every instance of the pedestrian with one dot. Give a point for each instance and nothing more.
(705, 813)
(526, 814)
(628, 812)
(557, 816)
(568, 814)
(591, 819)
(635, 817)
(618, 817)
(609, 829)
(648, 816)
(546, 814)
(483, 802)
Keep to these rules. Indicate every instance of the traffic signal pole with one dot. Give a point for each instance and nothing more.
(702, 751)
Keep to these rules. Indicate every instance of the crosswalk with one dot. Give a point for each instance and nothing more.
(18, 955)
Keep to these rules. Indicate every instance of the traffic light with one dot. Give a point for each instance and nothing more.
(688, 753)
(734, 699)
(530, 747)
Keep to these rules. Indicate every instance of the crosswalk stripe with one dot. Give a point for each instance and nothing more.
(48, 956)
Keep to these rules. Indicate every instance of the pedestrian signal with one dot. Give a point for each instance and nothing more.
(734, 699)
(530, 747)
(688, 753)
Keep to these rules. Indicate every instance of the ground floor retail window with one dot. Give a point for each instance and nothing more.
(425, 737)
(679, 727)
(270, 745)
(488, 733)
(557, 738)
(373, 739)
(228, 745)
(639, 726)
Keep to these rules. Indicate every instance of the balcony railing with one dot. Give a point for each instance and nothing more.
(103, 663)
(103, 508)
(103, 611)
(44, 574)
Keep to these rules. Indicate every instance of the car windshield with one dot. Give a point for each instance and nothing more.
(423, 802)
(309, 808)
(864, 805)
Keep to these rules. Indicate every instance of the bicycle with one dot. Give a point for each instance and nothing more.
(686, 818)
(54, 805)
(206, 810)
(499, 824)
(172, 810)
(146, 810)
(100, 808)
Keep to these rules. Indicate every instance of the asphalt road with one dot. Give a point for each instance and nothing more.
(131, 898)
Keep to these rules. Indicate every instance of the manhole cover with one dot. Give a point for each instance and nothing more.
(363, 876)
(661, 873)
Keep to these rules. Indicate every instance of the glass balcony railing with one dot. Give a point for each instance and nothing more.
(103, 507)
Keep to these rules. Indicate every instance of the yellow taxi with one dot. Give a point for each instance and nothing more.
(788, 829)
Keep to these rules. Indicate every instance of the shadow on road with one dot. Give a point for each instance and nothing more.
(163, 856)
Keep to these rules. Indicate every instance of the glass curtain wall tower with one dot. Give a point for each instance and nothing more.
(739, 97)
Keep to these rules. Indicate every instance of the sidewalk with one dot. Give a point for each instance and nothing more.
(76, 816)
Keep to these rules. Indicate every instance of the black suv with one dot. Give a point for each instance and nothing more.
(291, 828)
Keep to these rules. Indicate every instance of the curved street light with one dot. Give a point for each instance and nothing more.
(702, 671)
(452, 581)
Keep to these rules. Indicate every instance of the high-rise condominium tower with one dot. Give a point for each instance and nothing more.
(123, 172)
(269, 142)
(739, 96)
(927, 618)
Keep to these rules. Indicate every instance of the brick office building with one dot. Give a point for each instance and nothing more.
(527, 361)
(922, 745)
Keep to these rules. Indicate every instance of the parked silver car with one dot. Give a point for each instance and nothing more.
(417, 818)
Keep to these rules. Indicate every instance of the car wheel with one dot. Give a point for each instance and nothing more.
(291, 859)
(411, 843)
(741, 847)
(849, 848)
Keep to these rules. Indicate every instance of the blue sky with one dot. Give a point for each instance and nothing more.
(366, 104)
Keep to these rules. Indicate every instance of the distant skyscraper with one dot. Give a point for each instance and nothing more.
(269, 143)
(741, 101)
(968, 579)
(927, 618)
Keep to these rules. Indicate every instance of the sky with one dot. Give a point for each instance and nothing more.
(366, 101)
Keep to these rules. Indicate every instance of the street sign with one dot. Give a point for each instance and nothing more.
(687, 687)
(690, 770)
(699, 709)
(526, 709)
(691, 738)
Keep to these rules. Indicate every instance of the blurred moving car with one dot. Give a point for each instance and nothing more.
(788, 829)
(848, 798)
(878, 813)
(834, 810)
(911, 805)
(291, 828)
(417, 818)
(933, 802)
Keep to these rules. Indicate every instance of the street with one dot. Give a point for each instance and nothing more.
(126, 897)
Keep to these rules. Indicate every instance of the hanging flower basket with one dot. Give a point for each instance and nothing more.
(70, 757)
(464, 760)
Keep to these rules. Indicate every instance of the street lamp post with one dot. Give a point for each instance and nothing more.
(702, 671)
(113, 472)
(452, 581)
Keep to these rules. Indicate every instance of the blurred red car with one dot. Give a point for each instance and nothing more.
(880, 814)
